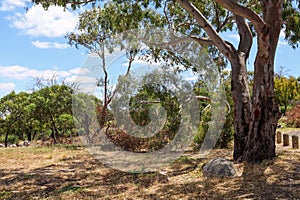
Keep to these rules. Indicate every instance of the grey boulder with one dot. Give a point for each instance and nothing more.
(218, 168)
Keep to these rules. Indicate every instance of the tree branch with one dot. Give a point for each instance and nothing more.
(226, 48)
(83, 2)
(246, 38)
(203, 41)
(228, 17)
(242, 11)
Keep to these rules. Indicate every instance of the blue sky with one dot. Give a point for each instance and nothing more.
(33, 45)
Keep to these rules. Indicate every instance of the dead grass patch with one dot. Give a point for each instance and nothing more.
(64, 172)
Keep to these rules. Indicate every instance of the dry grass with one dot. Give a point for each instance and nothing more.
(68, 172)
(284, 130)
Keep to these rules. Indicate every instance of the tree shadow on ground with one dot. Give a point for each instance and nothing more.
(275, 179)
(86, 178)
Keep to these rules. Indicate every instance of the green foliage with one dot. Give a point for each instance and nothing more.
(227, 131)
(97, 26)
(287, 92)
(66, 124)
(52, 102)
(11, 139)
(75, 4)
(146, 98)
(84, 106)
(25, 116)
(291, 17)
(14, 110)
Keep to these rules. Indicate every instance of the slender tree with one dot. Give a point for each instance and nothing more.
(94, 32)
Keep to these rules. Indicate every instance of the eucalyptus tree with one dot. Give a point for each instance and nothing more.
(255, 114)
(54, 107)
(82, 105)
(16, 111)
(93, 33)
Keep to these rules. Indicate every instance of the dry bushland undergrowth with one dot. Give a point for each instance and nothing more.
(70, 172)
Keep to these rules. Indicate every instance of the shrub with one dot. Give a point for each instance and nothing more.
(11, 139)
(292, 117)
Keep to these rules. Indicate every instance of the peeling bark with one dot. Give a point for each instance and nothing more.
(242, 105)
(265, 112)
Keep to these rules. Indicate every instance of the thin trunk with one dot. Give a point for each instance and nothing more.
(55, 132)
(105, 104)
(28, 133)
(34, 134)
(29, 136)
(6, 138)
(53, 135)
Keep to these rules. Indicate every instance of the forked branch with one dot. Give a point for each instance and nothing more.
(242, 11)
(226, 48)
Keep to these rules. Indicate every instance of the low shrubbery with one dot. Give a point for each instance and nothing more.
(292, 117)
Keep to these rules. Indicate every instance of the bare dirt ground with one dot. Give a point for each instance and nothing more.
(70, 172)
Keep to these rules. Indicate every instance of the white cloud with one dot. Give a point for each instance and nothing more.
(6, 88)
(48, 45)
(9, 5)
(55, 22)
(79, 70)
(22, 73)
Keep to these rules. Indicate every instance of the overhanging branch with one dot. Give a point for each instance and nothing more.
(226, 48)
(242, 11)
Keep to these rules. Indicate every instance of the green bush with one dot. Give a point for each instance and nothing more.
(11, 139)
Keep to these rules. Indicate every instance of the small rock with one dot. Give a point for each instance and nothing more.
(13, 145)
(2, 145)
(218, 167)
(26, 143)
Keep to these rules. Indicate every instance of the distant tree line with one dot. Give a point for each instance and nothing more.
(46, 112)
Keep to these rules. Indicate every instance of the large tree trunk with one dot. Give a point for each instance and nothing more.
(265, 113)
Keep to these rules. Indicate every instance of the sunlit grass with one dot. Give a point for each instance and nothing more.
(285, 129)
(42, 155)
